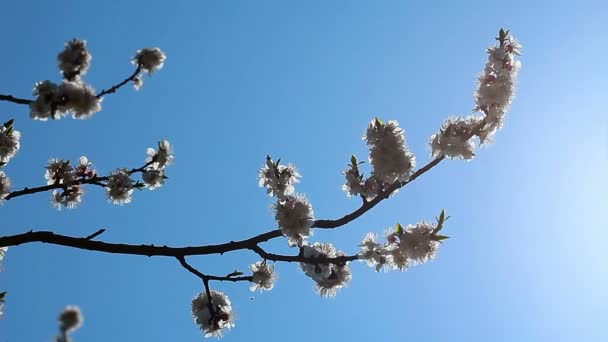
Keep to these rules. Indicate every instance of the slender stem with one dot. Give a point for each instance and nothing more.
(115, 87)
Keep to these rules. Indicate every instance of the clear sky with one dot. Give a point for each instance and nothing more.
(301, 80)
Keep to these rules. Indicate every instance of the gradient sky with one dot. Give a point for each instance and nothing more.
(301, 80)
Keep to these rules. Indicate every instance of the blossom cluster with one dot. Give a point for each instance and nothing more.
(493, 98)
(389, 156)
(70, 319)
(73, 94)
(404, 247)
(293, 212)
(9, 146)
(212, 315)
(329, 278)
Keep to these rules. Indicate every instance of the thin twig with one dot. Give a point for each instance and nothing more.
(96, 234)
(114, 88)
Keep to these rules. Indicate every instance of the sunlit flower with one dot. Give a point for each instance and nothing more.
(454, 140)
(295, 218)
(5, 186)
(9, 143)
(389, 156)
(74, 59)
(278, 179)
(263, 276)
(59, 171)
(149, 59)
(222, 317)
(161, 158)
(120, 187)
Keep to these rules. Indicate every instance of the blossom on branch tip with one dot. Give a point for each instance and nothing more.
(279, 180)
(389, 155)
(74, 59)
(213, 322)
(9, 142)
(5, 186)
(295, 218)
(70, 319)
(161, 158)
(263, 276)
(120, 187)
(496, 88)
(149, 59)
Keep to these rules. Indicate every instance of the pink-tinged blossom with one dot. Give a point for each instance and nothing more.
(389, 155)
(150, 59)
(295, 217)
(74, 60)
(213, 323)
(497, 84)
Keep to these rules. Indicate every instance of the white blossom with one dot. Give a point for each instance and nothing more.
(149, 59)
(161, 158)
(263, 276)
(278, 179)
(138, 82)
(70, 198)
(454, 140)
(70, 319)
(222, 317)
(153, 179)
(389, 156)
(59, 171)
(373, 252)
(120, 187)
(318, 250)
(5, 186)
(418, 242)
(78, 98)
(54, 101)
(46, 102)
(74, 59)
(84, 168)
(9, 142)
(329, 278)
(295, 218)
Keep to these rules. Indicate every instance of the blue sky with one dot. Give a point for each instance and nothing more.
(301, 80)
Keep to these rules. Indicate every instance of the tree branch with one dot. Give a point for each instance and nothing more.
(13, 99)
(96, 180)
(114, 88)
